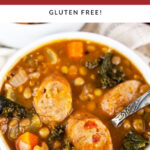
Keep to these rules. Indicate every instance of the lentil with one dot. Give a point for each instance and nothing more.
(79, 81)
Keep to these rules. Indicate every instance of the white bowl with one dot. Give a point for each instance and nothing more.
(143, 68)
(20, 35)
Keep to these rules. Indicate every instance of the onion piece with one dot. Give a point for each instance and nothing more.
(51, 56)
(34, 75)
(19, 79)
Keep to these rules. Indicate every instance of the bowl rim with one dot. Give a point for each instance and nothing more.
(119, 47)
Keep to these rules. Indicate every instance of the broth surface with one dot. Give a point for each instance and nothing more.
(40, 64)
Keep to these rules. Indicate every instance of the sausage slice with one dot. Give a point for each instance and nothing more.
(87, 132)
(53, 100)
(120, 96)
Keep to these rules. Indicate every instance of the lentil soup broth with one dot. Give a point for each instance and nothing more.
(85, 84)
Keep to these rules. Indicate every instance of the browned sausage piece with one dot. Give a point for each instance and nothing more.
(120, 96)
(53, 101)
(87, 132)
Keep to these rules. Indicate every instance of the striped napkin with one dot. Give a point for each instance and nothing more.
(134, 35)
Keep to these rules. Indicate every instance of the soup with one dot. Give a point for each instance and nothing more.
(63, 95)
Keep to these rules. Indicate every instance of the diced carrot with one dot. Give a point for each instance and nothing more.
(26, 141)
(75, 49)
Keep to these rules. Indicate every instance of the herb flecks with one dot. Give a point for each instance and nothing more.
(134, 141)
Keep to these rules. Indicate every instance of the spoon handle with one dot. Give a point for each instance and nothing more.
(138, 104)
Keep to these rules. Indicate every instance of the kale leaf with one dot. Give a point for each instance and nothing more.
(93, 64)
(111, 74)
(134, 141)
(10, 109)
(68, 145)
(57, 133)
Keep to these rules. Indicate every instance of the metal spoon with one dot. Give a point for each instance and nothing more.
(135, 106)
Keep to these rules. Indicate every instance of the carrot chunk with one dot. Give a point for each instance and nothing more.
(75, 49)
(26, 141)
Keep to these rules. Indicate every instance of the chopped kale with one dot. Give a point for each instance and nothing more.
(111, 74)
(93, 64)
(134, 141)
(68, 145)
(10, 109)
(57, 133)
(30, 113)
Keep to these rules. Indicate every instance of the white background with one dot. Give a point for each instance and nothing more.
(110, 13)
